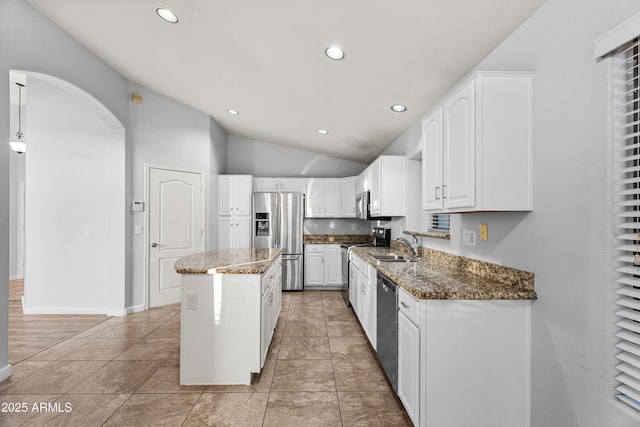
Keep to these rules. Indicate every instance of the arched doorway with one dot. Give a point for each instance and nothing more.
(75, 207)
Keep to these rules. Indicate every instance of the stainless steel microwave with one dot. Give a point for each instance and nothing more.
(362, 206)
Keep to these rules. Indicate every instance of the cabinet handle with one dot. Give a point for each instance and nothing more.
(404, 304)
(444, 195)
(437, 197)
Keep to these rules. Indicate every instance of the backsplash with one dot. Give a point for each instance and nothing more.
(336, 226)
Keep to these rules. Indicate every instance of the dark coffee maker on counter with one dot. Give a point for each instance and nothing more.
(381, 236)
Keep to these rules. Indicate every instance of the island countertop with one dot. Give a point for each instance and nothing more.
(437, 275)
(228, 261)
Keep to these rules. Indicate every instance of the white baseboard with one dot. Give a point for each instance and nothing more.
(16, 277)
(136, 308)
(5, 372)
(64, 310)
(111, 312)
(119, 312)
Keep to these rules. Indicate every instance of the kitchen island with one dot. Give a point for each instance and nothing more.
(230, 303)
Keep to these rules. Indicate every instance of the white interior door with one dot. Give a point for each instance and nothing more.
(175, 229)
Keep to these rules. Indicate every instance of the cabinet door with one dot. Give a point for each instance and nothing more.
(225, 232)
(241, 232)
(348, 197)
(332, 197)
(353, 287)
(459, 141)
(242, 189)
(315, 198)
(266, 185)
(314, 269)
(409, 366)
(375, 201)
(293, 185)
(265, 324)
(332, 265)
(225, 195)
(360, 302)
(371, 313)
(432, 162)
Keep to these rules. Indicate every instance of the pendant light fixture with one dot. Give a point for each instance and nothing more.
(18, 144)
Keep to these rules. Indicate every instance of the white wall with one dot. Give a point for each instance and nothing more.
(16, 173)
(75, 180)
(248, 156)
(166, 132)
(565, 240)
(217, 166)
(29, 41)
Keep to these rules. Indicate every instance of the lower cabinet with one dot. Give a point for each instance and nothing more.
(471, 354)
(409, 366)
(322, 266)
(363, 297)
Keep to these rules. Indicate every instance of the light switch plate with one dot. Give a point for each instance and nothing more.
(468, 237)
(484, 232)
(192, 302)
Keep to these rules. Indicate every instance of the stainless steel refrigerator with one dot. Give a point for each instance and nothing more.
(278, 221)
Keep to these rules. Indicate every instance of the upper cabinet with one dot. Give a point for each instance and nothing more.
(234, 194)
(477, 146)
(388, 175)
(330, 198)
(234, 211)
(348, 197)
(280, 185)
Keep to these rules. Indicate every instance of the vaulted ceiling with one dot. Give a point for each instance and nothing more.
(266, 60)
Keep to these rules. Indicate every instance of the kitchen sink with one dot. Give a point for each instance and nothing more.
(393, 258)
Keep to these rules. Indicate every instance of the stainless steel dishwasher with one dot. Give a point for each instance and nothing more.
(387, 335)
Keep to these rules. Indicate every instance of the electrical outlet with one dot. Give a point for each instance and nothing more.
(89, 232)
(353, 227)
(315, 225)
(192, 302)
(468, 237)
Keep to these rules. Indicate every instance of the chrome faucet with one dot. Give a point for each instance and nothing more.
(406, 242)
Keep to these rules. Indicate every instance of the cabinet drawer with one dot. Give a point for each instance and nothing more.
(409, 305)
(314, 248)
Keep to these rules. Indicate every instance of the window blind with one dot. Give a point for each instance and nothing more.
(627, 210)
(438, 222)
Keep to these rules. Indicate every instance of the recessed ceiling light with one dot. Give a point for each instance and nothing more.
(322, 131)
(334, 52)
(167, 15)
(233, 112)
(399, 108)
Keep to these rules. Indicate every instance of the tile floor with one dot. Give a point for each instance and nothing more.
(125, 372)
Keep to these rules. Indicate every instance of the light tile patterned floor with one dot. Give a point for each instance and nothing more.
(124, 372)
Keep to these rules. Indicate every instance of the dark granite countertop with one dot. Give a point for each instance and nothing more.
(228, 261)
(438, 275)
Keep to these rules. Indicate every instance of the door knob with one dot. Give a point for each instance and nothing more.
(154, 245)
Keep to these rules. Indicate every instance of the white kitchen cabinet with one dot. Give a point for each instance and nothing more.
(322, 266)
(323, 198)
(266, 332)
(409, 355)
(314, 265)
(477, 146)
(370, 312)
(234, 211)
(348, 197)
(234, 232)
(364, 181)
(388, 186)
(234, 194)
(280, 185)
(363, 296)
(330, 198)
(332, 265)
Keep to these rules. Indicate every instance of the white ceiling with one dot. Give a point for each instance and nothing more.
(266, 60)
